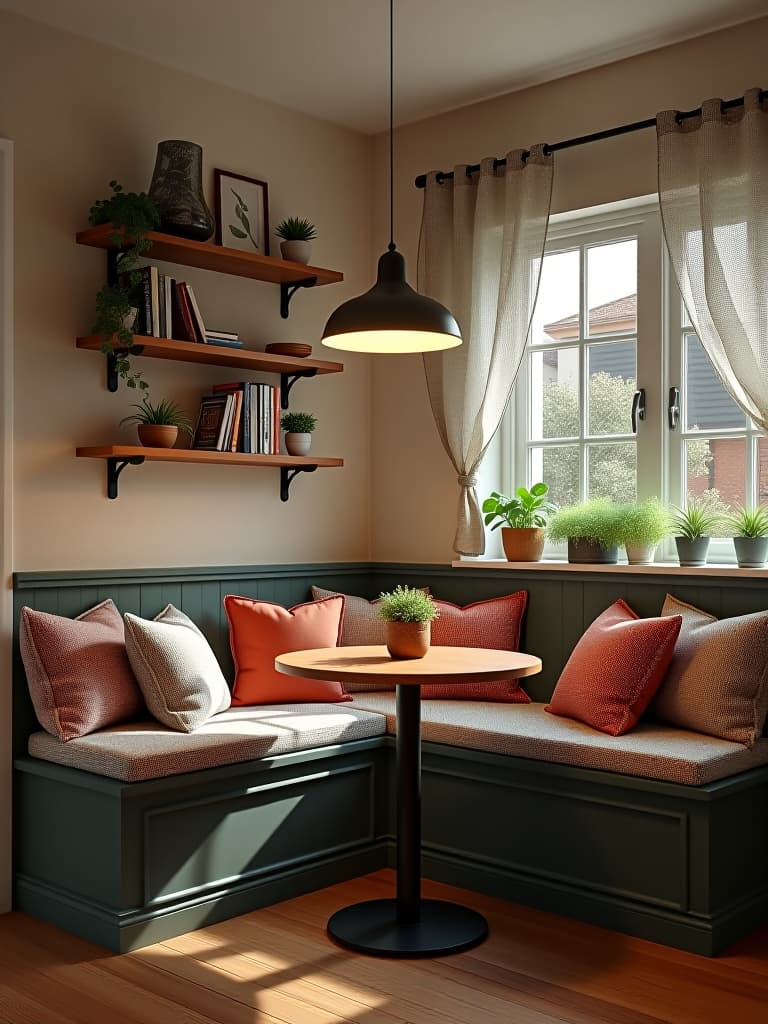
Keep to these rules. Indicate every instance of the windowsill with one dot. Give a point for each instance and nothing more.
(658, 568)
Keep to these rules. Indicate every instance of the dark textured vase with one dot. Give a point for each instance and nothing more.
(177, 190)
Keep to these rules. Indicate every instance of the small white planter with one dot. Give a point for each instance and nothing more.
(640, 554)
(296, 250)
(298, 444)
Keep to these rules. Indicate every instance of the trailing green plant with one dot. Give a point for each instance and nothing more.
(296, 229)
(298, 422)
(165, 413)
(132, 215)
(748, 522)
(702, 516)
(597, 520)
(644, 522)
(527, 509)
(407, 604)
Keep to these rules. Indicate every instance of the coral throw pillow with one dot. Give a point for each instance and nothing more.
(78, 672)
(494, 624)
(615, 669)
(718, 680)
(260, 630)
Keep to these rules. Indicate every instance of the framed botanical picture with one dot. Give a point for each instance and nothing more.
(242, 220)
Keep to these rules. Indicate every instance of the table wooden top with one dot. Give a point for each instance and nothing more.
(369, 664)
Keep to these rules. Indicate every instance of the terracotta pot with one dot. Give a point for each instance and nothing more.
(298, 444)
(586, 552)
(523, 543)
(157, 435)
(295, 249)
(408, 639)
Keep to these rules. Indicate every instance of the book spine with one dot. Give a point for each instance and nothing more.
(196, 317)
(253, 390)
(276, 421)
(186, 312)
(236, 419)
(154, 277)
(161, 298)
(169, 282)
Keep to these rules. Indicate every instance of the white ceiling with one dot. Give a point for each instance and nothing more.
(329, 58)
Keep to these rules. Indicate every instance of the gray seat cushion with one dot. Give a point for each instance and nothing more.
(138, 751)
(651, 750)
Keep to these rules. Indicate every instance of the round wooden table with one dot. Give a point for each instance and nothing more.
(408, 926)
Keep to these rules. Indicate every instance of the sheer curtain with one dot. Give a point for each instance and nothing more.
(480, 254)
(713, 191)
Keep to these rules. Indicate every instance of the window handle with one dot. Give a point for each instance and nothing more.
(673, 408)
(638, 408)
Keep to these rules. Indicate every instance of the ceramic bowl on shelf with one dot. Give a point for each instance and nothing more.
(289, 348)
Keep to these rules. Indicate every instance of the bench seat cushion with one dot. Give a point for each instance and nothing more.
(651, 750)
(139, 751)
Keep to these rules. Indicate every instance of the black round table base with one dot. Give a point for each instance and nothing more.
(373, 928)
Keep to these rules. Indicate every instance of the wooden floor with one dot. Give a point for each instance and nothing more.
(276, 965)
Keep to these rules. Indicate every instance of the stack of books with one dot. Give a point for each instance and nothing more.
(239, 417)
(168, 309)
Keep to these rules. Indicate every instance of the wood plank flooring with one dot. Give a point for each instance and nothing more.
(276, 966)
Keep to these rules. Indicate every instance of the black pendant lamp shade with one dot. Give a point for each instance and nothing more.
(391, 316)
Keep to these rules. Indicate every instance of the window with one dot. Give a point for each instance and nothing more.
(609, 320)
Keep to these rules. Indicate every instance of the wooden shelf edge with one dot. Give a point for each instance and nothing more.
(194, 455)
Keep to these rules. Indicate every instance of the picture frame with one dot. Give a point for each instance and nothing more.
(242, 212)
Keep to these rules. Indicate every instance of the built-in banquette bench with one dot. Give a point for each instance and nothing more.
(127, 863)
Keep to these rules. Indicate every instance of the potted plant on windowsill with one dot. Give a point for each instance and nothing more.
(525, 516)
(298, 427)
(643, 525)
(408, 613)
(750, 529)
(592, 529)
(694, 525)
(296, 234)
(158, 425)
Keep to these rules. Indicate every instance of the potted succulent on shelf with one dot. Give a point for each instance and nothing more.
(592, 529)
(643, 525)
(158, 425)
(408, 613)
(298, 427)
(131, 215)
(296, 234)
(694, 525)
(750, 530)
(522, 520)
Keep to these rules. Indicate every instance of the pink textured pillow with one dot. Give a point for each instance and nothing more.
(494, 624)
(78, 672)
(615, 669)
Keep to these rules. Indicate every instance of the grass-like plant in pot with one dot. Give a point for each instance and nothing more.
(131, 215)
(296, 234)
(592, 529)
(159, 423)
(408, 613)
(749, 527)
(644, 524)
(298, 427)
(694, 524)
(522, 519)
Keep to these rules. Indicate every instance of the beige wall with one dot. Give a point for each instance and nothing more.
(407, 456)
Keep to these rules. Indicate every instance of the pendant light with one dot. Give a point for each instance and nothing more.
(391, 317)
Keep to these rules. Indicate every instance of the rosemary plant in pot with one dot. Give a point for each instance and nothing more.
(408, 613)
(298, 427)
(525, 516)
(750, 536)
(643, 525)
(158, 424)
(592, 529)
(693, 527)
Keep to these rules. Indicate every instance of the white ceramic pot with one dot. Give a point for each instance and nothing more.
(296, 250)
(640, 554)
(298, 444)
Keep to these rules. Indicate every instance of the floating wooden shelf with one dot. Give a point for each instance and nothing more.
(118, 456)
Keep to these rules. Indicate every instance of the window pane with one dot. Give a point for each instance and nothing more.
(554, 394)
(558, 467)
(717, 465)
(612, 471)
(556, 316)
(612, 287)
(612, 372)
(761, 472)
(708, 406)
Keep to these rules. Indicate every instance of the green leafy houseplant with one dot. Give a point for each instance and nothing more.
(407, 604)
(296, 229)
(526, 510)
(165, 413)
(748, 522)
(643, 525)
(298, 422)
(592, 528)
(131, 215)
(693, 525)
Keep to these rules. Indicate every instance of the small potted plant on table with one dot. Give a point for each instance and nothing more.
(694, 525)
(592, 529)
(750, 529)
(296, 234)
(525, 516)
(158, 425)
(298, 427)
(408, 613)
(643, 525)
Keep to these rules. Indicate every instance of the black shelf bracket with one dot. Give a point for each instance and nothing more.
(112, 357)
(287, 380)
(286, 478)
(287, 292)
(115, 467)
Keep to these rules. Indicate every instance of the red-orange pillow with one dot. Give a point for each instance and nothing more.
(615, 669)
(260, 630)
(495, 624)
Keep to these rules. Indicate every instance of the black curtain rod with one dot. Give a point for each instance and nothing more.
(608, 133)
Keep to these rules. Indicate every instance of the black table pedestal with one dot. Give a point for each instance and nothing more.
(408, 926)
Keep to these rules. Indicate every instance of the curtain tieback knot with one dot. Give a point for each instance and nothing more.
(467, 481)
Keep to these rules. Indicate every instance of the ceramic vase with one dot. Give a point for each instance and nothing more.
(408, 639)
(296, 250)
(177, 190)
(298, 444)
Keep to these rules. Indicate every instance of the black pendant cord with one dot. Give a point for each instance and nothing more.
(391, 247)
(607, 133)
